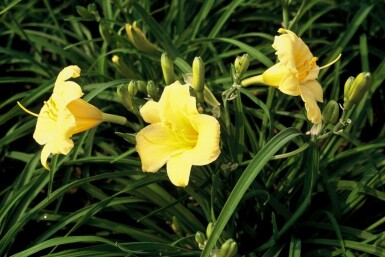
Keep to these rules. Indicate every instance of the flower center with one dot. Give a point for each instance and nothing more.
(51, 109)
(305, 68)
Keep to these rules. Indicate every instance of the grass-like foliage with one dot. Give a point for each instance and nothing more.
(276, 189)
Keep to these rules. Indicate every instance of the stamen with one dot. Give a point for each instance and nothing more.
(329, 64)
(26, 110)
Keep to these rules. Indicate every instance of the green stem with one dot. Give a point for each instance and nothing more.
(106, 117)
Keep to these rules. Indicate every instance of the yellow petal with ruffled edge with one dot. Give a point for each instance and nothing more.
(206, 149)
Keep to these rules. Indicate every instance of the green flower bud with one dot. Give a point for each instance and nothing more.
(152, 90)
(198, 69)
(175, 225)
(123, 68)
(142, 86)
(233, 249)
(167, 69)
(331, 112)
(125, 97)
(347, 87)
(200, 238)
(241, 65)
(132, 88)
(209, 229)
(227, 249)
(359, 87)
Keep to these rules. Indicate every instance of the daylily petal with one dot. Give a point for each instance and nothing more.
(178, 170)
(86, 115)
(150, 112)
(315, 89)
(206, 149)
(289, 84)
(58, 146)
(66, 92)
(72, 71)
(312, 109)
(45, 152)
(155, 145)
(176, 105)
(274, 75)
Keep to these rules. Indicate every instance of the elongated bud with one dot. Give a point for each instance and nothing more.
(241, 65)
(123, 68)
(347, 86)
(228, 249)
(138, 39)
(198, 69)
(142, 86)
(200, 238)
(331, 112)
(209, 229)
(233, 248)
(167, 69)
(132, 88)
(152, 90)
(176, 225)
(125, 97)
(359, 87)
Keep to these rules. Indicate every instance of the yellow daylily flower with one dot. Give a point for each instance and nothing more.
(295, 73)
(63, 115)
(177, 135)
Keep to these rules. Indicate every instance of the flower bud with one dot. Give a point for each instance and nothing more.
(359, 87)
(132, 88)
(138, 39)
(125, 97)
(331, 112)
(200, 238)
(176, 225)
(167, 69)
(142, 86)
(228, 249)
(198, 69)
(152, 90)
(347, 87)
(209, 229)
(241, 65)
(123, 68)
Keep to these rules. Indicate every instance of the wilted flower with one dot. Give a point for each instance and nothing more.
(295, 73)
(177, 135)
(139, 39)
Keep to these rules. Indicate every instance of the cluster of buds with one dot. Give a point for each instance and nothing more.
(355, 89)
(228, 249)
(127, 93)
